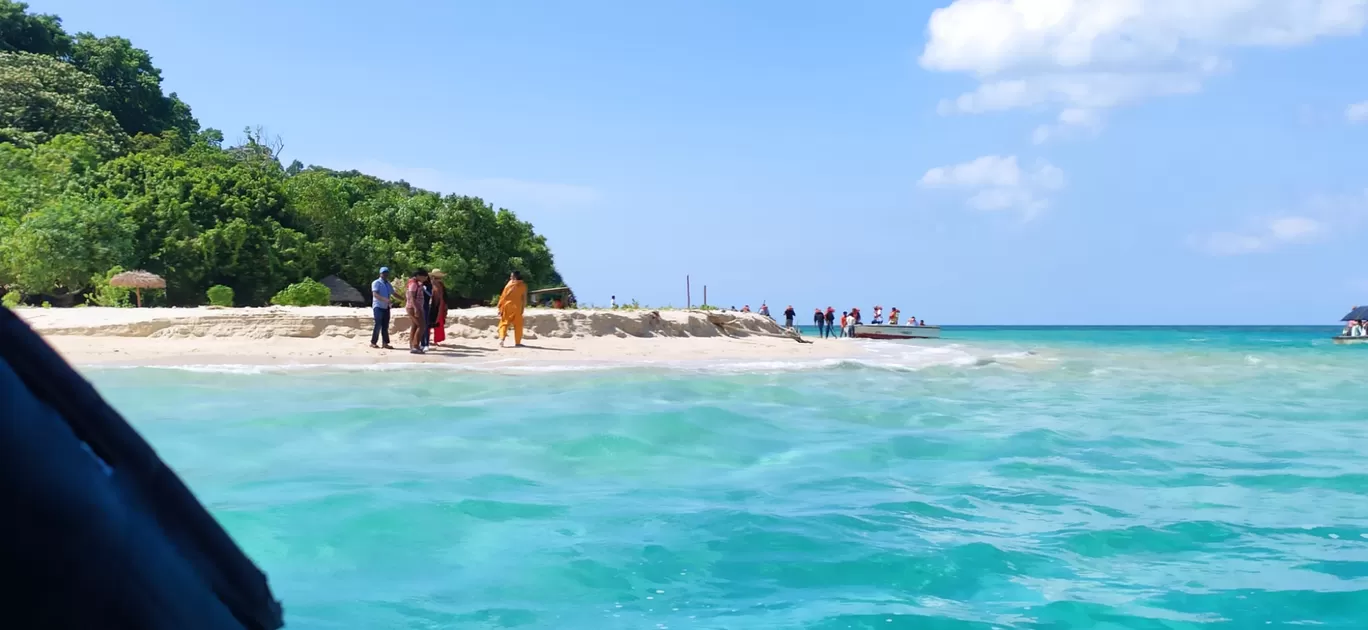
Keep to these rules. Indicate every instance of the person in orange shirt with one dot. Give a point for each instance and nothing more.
(511, 304)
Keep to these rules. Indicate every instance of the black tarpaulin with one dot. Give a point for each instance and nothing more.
(1359, 313)
(97, 532)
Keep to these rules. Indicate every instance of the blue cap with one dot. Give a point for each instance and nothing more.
(384, 270)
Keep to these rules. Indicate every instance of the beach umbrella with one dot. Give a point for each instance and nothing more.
(138, 280)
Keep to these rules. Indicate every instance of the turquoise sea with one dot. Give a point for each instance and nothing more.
(1117, 478)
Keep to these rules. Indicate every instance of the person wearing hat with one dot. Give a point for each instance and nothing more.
(437, 310)
(381, 292)
(789, 314)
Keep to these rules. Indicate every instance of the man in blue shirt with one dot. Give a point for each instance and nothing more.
(381, 292)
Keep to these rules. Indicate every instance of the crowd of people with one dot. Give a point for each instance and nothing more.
(826, 321)
(425, 304)
(1355, 328)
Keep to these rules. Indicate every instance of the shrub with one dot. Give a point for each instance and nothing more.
(12, 299)
(101, 294)
(306, 293)
(220, 295)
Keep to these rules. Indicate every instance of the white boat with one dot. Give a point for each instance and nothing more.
(866, 331)
(1358, 314)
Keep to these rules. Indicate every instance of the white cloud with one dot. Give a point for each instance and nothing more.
(999, 183)
(1319, 218)
(1357, 113)
(515, 194)
(1070, 122)
(1093, 55)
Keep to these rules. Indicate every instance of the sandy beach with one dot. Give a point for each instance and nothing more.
(340, 336)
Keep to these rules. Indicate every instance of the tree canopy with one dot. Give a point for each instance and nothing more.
(99, 169)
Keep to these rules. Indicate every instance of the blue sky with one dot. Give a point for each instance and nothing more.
(975, 161)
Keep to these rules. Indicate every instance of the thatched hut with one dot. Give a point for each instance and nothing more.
(343, 293)
(138, 280)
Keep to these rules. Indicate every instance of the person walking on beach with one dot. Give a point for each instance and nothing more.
(415, 307)
(789, 314)
(819, 320)
(438, 312)
(381, 291)
(511, 304)
(845, 318)
(830, 321)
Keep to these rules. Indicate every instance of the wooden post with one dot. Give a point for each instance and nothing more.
(138, 292)
(688, 295)
(705, 295)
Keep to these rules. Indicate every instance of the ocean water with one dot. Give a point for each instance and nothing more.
(1141, 478)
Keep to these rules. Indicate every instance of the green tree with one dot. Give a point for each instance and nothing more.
(133, 86)
(21, 31)
(90, 236)
(41, 97)
(209, 221)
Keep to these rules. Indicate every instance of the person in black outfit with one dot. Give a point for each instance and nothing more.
(430, 313)
(830, 321)
(789, 314)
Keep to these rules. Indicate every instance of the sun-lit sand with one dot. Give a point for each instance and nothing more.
(341, 336)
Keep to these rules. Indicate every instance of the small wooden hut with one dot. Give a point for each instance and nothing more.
(343, 293)
(138, 280)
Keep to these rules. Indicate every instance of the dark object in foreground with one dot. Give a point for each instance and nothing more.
(95, 531)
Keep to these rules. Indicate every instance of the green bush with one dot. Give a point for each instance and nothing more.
(220, 295)
(306, 293)
(12, 299)
(101, 294)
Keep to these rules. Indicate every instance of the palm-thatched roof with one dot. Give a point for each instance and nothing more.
(342, 292)
(138, 280)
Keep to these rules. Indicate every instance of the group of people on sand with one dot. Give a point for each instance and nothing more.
(1355, 328)
(426, 306)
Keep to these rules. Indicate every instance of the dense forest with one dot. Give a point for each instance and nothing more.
(101, 171)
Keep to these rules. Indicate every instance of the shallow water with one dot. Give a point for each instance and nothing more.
(1001, 478)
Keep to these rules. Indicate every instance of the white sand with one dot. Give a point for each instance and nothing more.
(341, 336)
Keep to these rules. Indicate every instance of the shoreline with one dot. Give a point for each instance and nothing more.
(339, 336)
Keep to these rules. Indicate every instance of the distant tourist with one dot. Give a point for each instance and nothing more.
(613, 301)
(855, 315)
(851, 331)
(415, 306)
(1354, 328)
(764, 310)
(845, 321)
(511, 304)
(745, 309)
(893, 316)
(921, 322)
(789, 314)
(830, 321)
(381, 291)
(819, 320)
(878, 316)
(438, 313)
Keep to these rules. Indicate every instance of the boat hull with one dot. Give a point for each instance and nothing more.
(1351, 340)
(897, 332)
